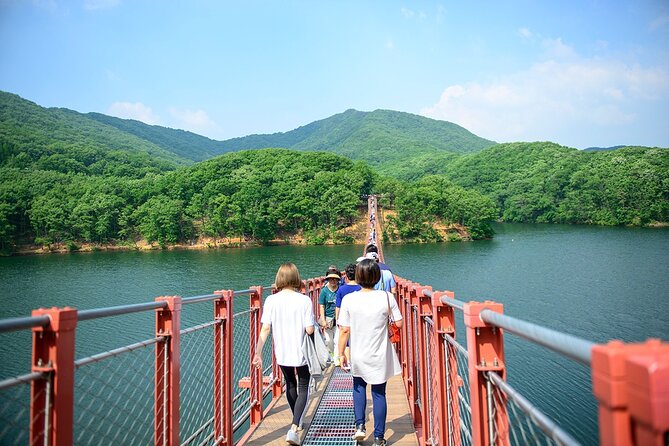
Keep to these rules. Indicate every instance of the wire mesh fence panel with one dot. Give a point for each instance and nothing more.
(196, 412)
(431, 346)
(460, 410)
(268, 364)
(526, 424)
(416, 358)
(241, 361)
(114, 396)
(15, 401)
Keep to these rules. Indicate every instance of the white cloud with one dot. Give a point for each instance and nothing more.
(556, 48)
(525, 33)
(196, 121)
(94, 5)
(407, 13)
(554, 100)
(410, 13)
(133, 110)
(659, 22)
(48, 5)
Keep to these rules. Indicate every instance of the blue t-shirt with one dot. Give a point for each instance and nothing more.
(387, 281)
(343, 291)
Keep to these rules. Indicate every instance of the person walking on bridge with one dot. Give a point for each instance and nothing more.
(326, 305)
(290, 316)
(363, 317)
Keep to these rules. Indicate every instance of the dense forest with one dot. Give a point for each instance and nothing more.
(69, 178)
(255, 195)
(546, 183)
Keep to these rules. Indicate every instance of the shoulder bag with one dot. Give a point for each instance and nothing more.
(393, 329)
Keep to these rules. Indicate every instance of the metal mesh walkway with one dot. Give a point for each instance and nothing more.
(334, 420)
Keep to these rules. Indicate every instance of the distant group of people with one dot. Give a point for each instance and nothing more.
(354, 309)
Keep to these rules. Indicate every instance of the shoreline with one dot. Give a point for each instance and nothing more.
(143, 246)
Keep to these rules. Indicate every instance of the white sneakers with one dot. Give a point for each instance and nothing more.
(292, 437)
(360, 433)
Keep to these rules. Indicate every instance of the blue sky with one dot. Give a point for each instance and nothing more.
(579, 73)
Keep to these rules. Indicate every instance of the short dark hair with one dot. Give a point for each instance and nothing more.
(372, 248)
(367, 273)
(350, 271)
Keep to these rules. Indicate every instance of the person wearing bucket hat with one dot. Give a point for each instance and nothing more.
(326, 305)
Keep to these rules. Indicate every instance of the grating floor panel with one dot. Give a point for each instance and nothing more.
(334, 420)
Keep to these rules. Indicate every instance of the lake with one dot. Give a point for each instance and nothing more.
(598, 283)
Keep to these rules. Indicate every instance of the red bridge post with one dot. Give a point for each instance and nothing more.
(412, 354)
(631, 384)
(485, 348)
(223, 372)
(424, 309)
(403, 347)
(53, 353)
(167, 372)
(256, 374)
(448, 408)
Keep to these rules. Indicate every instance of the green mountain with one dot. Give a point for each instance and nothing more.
(185, 144)
(63, 140)
(389, 140)
(383, 138)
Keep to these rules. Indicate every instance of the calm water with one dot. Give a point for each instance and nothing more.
(592, 282)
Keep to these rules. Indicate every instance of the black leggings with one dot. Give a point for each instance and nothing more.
(297, 394)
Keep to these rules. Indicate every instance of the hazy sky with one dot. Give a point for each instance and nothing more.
(579, 73)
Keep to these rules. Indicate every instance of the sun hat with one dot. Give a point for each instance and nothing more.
(372, 255)
(360, 259)
(332, 275)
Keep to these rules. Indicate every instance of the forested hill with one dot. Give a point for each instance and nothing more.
(547, 183)
(66, 141)
(385, 139)
(381, 137)
(187, 145)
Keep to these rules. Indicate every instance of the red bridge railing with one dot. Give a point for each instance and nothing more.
(185, 386)
(459, 395)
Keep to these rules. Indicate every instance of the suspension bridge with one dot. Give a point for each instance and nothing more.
(194, 385)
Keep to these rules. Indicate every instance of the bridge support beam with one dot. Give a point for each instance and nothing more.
(223, 372)
(52, 398)
(167, 372)
(485, 348)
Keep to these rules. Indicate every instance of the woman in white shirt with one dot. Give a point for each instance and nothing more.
(289, 314)
(363, 317)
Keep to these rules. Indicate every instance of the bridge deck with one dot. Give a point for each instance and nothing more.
(399, 427)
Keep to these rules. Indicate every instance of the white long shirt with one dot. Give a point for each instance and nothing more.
(373, 357)
(289, 313)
